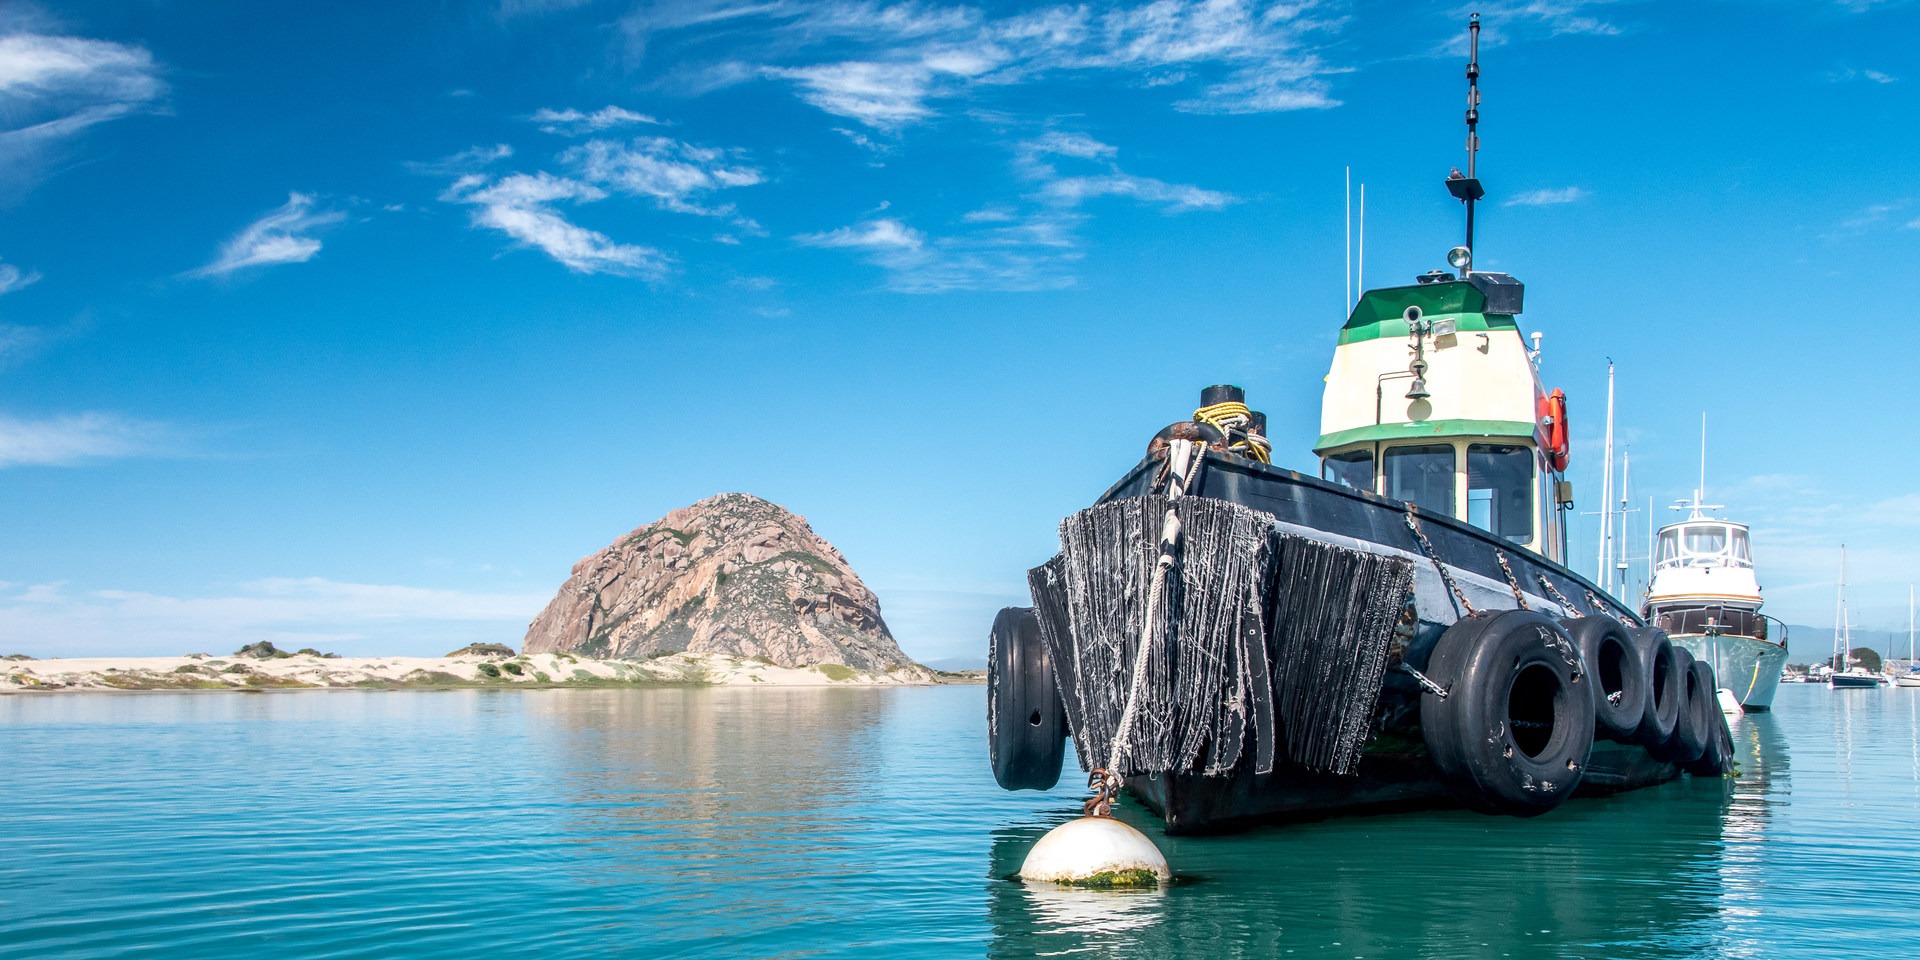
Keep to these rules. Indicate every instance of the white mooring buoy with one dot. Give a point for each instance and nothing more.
(1096, 852)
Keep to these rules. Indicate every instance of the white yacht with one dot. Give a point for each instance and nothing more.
(1705, 595)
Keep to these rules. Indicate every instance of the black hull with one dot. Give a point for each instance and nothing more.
(1386, 783)
(1393, 772)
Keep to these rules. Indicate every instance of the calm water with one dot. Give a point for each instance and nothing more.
(765, 822)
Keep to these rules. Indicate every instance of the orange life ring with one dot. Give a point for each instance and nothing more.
(1556, 415)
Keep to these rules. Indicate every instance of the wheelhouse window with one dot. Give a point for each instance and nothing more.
(1741, 556)
(1669, 550)
(1353, 468)
(1422, 476)
(1500, 490)
(1706, 540)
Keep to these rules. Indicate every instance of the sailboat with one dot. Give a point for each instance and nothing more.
(1852, 676)
(1911, 678)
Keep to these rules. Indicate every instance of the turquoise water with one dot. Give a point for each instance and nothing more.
(835, 822)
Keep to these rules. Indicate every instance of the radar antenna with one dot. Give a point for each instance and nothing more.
(1466, 187)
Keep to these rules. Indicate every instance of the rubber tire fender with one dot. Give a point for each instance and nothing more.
(1491, 664)
(1717, 759)
(1666, 687)
(1026, 720)
(1700, 707)
(1615, 669)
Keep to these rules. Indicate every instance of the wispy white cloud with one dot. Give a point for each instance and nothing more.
(53, 87)
(671, 173)
(74, 439)
(65, 84)
(1506, 18)
(1850, 74)
(883, 234)
(675, 176)
(890, 65)
(1872, 217)
(1023, 255)
(573, 123)
(1008, 247)
(466, 161)
(1172, 196)
(282, 236)
(522, 206)
(1548, 197)
(50, 619)
(13, 278)
(1035, 160)
(883, 95)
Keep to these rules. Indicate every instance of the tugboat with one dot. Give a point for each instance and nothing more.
(1232, 641)
(1705, 596)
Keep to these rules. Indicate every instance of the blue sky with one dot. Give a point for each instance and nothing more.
(356, 325)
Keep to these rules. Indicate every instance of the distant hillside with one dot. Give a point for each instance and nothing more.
(1810, 644)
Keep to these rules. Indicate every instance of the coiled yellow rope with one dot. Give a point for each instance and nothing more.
(1232, 415)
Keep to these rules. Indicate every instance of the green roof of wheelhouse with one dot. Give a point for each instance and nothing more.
(1382, 313)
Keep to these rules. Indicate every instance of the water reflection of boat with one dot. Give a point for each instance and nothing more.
(1705, 595)
(1637, 874)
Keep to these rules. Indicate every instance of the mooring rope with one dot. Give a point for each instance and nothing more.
(1185, 458)
(1234, 415)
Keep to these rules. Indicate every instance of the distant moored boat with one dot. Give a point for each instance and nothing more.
(1706, 596)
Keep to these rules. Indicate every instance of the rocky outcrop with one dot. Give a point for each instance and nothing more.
(731, 575)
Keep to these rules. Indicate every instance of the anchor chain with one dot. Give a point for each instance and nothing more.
(1106, 790)
(1593, 603)
(1554, 592)
(1512, 581)
(1426, 545)
(1426, 682)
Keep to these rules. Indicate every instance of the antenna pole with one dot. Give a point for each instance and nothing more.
(1701, 495)
(1360, 268)
(1473, 124)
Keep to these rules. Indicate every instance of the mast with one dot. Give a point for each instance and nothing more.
(1840, 615)
(1626, 484)
(1467, 187)
(1606, 493)
(1700, 494)
(1909, 627)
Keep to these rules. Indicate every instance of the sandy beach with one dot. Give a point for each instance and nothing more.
(305, 671)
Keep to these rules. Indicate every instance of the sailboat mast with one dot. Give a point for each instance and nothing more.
(1626, 484)
(1605, 561)
(1839, 611)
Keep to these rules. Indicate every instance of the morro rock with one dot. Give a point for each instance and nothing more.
(732, 574)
